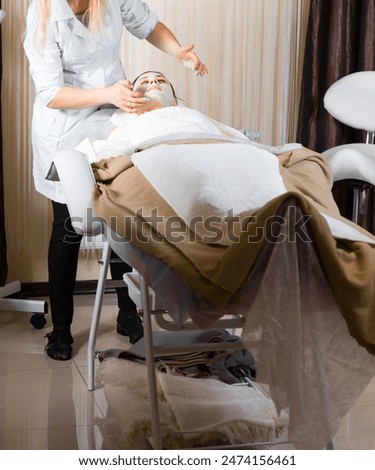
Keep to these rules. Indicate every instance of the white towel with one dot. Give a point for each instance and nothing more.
(130, 131)
(211, 180)
(211, 405)
(126, 383)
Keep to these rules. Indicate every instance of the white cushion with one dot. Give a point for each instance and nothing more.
(352, 161)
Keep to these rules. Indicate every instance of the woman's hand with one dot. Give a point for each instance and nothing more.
(121, 94)
(163, 38)
(190, 59)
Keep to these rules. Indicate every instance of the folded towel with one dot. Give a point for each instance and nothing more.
(126, 382)
(229, 366)
(210, 405)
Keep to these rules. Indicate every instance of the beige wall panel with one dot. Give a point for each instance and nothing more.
(253, 49)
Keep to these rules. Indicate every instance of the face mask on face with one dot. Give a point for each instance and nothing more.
(156, 87)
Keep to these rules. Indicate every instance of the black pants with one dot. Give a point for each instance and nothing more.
(62, 270)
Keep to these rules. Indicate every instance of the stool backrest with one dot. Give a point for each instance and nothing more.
(351, 100)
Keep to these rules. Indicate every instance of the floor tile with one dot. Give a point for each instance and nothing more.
(69, 438)
(45, 398)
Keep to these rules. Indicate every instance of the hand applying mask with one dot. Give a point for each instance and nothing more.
(157, 89)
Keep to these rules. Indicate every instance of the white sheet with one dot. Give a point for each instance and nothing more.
(217, 180)
(174, 123)
(202, 182)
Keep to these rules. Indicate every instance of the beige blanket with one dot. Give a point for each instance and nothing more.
(218, 269)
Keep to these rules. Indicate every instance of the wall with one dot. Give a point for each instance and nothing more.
(253, 49)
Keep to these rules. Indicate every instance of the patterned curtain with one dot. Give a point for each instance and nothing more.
(3, 245)
(340, 40)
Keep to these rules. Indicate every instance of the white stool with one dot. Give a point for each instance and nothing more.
(351, 100)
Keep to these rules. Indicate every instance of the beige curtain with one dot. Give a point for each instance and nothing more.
(254, 52)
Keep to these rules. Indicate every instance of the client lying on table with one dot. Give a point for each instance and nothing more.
(163, 118)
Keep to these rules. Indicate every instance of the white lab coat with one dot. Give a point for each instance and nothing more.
(74, 57)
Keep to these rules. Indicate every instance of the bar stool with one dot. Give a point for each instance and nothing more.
(351, 100)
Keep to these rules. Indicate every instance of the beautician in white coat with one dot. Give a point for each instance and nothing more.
(73, 50)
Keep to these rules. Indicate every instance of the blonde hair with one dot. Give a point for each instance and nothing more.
(96, 13)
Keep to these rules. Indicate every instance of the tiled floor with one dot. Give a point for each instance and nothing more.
(45, 404)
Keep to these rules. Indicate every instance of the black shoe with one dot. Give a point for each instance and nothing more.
(132, 327)
(59, 344)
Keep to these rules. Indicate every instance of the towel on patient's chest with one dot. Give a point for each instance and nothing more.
(131, 131)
